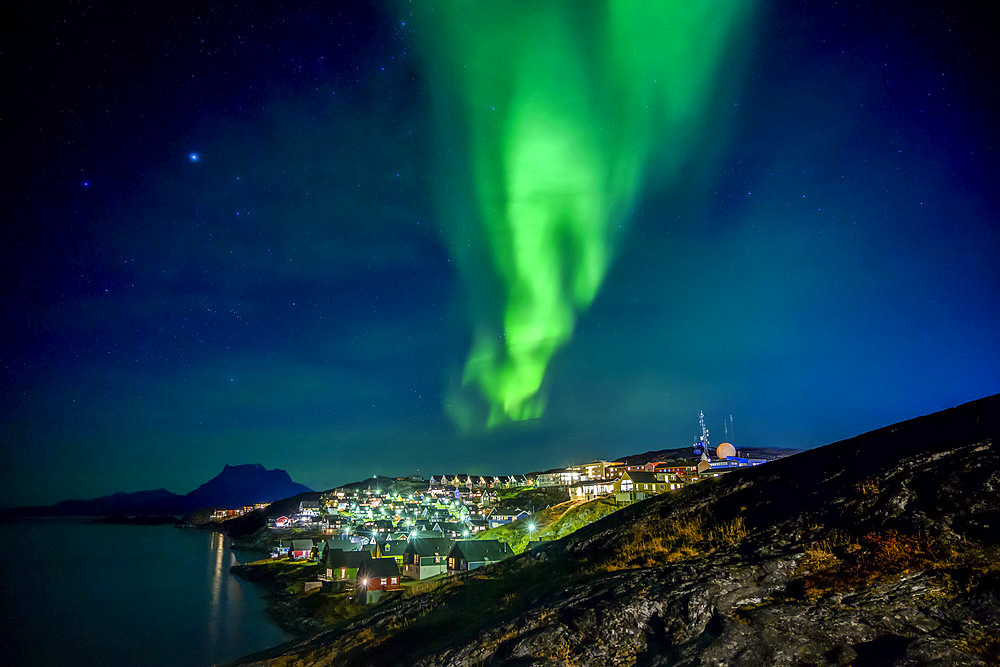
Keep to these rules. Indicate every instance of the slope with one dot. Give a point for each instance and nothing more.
(881, 549)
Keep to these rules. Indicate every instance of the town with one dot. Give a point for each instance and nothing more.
(375, 537)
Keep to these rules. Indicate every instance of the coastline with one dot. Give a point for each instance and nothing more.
(294, 610)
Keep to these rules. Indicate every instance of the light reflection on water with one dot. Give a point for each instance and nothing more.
(150, 595)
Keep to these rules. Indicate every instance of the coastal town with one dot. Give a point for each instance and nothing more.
(374, 538)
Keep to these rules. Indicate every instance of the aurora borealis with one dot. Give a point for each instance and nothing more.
(408, 221)
(559, 107)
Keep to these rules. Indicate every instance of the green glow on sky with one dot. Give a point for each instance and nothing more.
(550, 114)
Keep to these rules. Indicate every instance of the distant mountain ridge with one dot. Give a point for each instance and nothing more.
(234, 487)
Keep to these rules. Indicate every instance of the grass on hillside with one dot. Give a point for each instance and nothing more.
(550, 524)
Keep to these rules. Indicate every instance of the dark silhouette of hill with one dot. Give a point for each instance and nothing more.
(881, 549)
(684, 453)
(234, 487)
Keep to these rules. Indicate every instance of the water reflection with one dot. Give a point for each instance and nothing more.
(224, 625)
(97, 603)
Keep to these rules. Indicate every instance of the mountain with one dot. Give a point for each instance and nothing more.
(242, 485)
(139, 502)
(235, 486)
(879, 550)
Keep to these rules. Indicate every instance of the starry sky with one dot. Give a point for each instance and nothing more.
(223, 241)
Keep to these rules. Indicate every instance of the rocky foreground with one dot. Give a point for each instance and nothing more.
(881, 549)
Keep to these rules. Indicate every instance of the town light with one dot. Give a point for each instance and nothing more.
(364, 582)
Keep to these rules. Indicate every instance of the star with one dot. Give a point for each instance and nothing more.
(194, 157)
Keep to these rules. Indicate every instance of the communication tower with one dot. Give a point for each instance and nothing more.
(701, 445)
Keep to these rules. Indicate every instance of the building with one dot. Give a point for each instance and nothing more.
(426, 557)
(309, 508)
(300, 549)
(593, 470)
(343, 566)
(342, 545)
(730, 463)
(561, 477)
(472, 554)
(591, 490)
(375, 577)
(635, 485)
(501, 519)
(392, 549)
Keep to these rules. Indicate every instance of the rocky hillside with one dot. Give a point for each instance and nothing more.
(881, 549)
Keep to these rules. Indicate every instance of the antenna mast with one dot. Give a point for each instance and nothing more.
(701, 445)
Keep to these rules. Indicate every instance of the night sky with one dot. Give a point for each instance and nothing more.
(262, 233)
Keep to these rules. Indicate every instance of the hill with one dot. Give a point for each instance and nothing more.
(551, 523)
(684, 454)
(881, 549)
(234, 487)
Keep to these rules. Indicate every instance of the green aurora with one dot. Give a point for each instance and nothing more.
(549, 114)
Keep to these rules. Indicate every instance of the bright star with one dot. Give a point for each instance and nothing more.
(194, 157)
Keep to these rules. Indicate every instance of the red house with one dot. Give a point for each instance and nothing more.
(377, 577)
(301, 549)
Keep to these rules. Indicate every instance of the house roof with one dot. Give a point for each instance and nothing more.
(395, 548)
(429, 546)
(343, 545)
(379, 567)
(428, 534)
(348, 559)
(639, 477)
(476, 551)
(302, 545)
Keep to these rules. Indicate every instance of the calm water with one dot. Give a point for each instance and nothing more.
(76, 593)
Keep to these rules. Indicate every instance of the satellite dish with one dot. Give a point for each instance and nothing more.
(725, 450)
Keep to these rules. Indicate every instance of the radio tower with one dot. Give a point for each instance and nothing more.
(701, 446)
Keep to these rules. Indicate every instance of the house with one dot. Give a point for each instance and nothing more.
(280, 551)
(393, 549)
(334, 523)
(425, 534)
(478, 525)
(309, 508)
(468, 555)
(282, 522)
(375, 577)
(301, 549)
(500, 519)
(382, 527)
(635, 485)
(489, 498)
(426, 557)
(591, 490)
(343, 565)
(343, 545)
